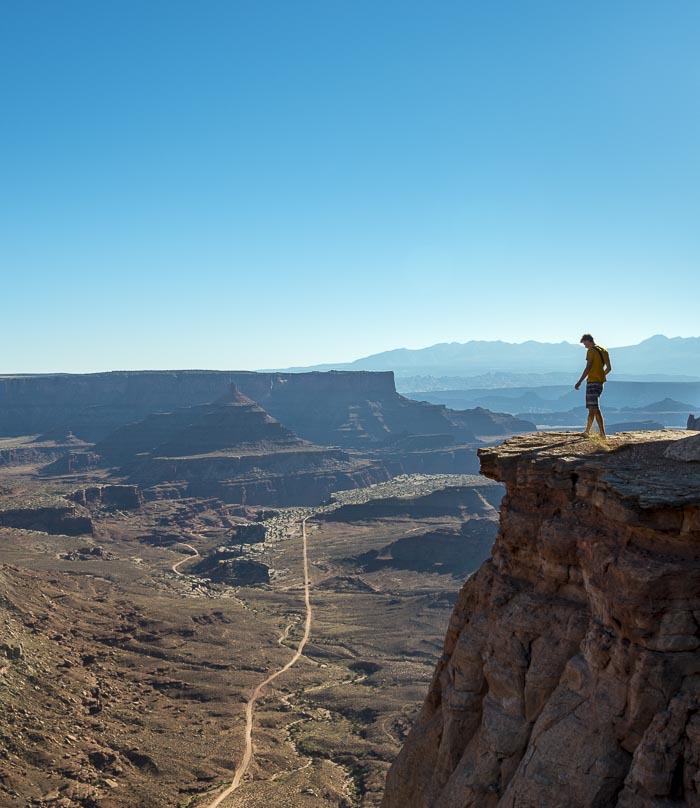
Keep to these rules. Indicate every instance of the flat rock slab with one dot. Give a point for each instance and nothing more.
(652, 467)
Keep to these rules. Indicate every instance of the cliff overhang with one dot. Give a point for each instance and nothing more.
(571, 668)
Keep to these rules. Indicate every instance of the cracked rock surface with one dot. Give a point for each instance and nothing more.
(571, 666)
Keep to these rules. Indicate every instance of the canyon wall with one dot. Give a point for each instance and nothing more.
(348, 409)
(95, 404)
(571, 668)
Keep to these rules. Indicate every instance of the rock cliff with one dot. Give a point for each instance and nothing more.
(571, 668)
(234, 450)
(46, 513)
(347, 409)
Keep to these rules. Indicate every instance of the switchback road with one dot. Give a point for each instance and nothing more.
(195, 554)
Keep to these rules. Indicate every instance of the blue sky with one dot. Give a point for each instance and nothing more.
(264, 184)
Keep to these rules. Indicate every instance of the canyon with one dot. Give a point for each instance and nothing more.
(250, 438)
(134, 629)
(152, 580)
(346, 409)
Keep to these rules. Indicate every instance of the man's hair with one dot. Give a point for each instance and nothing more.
(587, 337)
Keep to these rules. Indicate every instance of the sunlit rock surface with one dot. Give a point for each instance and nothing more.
(571, 668)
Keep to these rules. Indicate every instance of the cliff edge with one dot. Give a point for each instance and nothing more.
(571, 669)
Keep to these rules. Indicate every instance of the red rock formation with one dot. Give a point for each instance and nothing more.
(571, 669)
(234, 450)
(123, 497)
(45, 514)
(348, 409)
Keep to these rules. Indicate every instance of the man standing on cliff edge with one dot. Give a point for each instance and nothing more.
(597, 368)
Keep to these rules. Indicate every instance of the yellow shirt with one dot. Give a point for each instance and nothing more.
(596, 374)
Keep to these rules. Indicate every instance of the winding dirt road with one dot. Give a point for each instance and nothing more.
(195, 554)
(250, 705)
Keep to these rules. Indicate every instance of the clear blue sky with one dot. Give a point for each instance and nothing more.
(263, 184)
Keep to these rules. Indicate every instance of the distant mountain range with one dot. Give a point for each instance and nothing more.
(666, 403)
(505, 363)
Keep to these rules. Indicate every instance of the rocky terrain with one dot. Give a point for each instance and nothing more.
(28, 450)
(130, 644)
(362, 410)
(346, 409)
(571, 668)
(275, 439)
(234, 450)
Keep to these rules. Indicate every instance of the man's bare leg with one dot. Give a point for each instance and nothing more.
(590, 422)
(599, 420)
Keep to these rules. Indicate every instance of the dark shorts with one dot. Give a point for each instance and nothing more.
(593, 392)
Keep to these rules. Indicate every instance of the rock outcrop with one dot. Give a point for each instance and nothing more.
(686, 451)
(110, 497)
(571, 669)
(46, 514)
(25, 451)
(346, 409)
(234, 450)
(455, 550)
(226, 565)
(693, 422)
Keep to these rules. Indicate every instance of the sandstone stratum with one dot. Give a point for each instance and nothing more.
(277, 439)
(234, 450)
(571, 667)
(338, 408)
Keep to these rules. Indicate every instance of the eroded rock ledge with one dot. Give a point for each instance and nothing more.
(571, 669)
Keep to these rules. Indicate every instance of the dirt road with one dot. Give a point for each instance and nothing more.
(250, 705)
(195, 554)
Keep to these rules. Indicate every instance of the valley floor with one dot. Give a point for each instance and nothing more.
(123, 681)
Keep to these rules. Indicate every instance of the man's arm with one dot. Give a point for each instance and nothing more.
(585, 373)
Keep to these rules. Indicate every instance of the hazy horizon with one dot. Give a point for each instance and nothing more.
(294, 368)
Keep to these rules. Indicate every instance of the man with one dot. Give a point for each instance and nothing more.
(597, 368)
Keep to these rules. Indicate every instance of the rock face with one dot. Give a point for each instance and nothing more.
(234, 450)
(95, 404)
(46, 514)
(232, 422)
(111, 497)
(571, 668)
(26, 450)
(686, 451)
(455, 550)
(346, 409)
(356, 410)
(693, 422)
(225, 565)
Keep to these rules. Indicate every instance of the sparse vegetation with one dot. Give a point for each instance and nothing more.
(124, 660)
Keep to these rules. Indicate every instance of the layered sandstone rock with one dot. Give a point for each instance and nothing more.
(45, 513)
(347, 409)
(111, 497)
(25, 451)
(687, 450)
(571, 669)
(234, 450)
